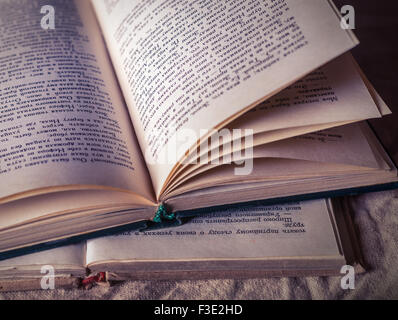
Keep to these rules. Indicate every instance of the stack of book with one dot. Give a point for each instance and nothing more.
(121, 117)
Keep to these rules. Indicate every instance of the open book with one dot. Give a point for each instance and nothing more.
(127, 106)
(295, 239)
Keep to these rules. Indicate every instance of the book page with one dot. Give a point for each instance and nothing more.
(341, 145)
(344, 145)
(284, 171)
(46, 206)
(331, 96)
(197, 66)
(302, 229)
(72, 257)
(63, 120)
(335, 92)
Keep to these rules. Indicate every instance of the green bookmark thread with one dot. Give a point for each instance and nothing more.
(162, 214)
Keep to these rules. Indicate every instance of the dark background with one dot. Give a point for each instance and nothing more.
(377, 54)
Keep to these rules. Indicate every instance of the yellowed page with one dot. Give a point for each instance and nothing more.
(323, 99)
(265, 169)
(301, 230)
(334, 93)
(73, 256)
(190, 67)
(40, 207)
(63, 120)
(345, 145)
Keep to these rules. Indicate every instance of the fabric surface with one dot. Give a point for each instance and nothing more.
(374, 214)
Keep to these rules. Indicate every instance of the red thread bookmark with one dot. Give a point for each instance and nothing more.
(90, 281)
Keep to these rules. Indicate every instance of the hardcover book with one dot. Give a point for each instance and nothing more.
(131, 111)
(295, 239)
